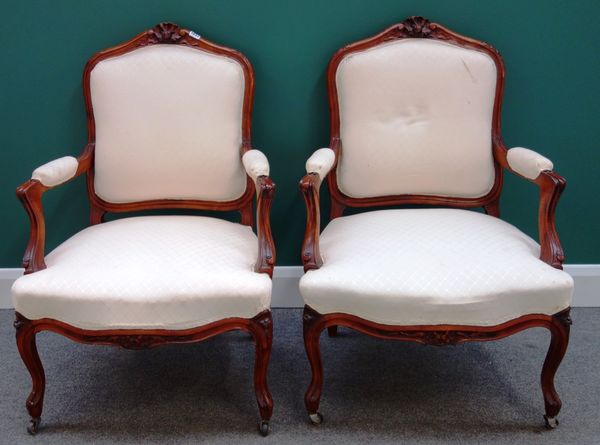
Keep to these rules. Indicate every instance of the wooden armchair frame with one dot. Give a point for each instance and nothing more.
(550, 184)
(30, 195)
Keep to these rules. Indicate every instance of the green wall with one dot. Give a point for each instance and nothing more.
(552, 100)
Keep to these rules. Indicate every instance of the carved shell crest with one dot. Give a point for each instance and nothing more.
(416, 26)
(166, 33)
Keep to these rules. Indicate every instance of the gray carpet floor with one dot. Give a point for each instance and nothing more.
(375, 391)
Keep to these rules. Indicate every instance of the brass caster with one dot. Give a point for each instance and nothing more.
(551, 422)
(33, 426)
(264, 428)
(316, 418)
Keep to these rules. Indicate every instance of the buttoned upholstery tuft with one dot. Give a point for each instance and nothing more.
(415, 118)
(168, 125)
(150, 272)
(432, 266)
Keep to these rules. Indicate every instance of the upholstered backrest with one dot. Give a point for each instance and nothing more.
(416, 118)
(168, 125)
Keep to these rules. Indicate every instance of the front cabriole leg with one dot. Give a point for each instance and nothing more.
(313, 326)
(261, 328)
(28, 350)
(559, 329)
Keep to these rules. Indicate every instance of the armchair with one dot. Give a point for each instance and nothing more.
(169, 121)
(415, 120)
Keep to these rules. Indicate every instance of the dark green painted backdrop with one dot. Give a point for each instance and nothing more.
(552, 100)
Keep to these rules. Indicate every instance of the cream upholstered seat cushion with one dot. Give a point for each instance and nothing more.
(432, 266)
(416, 118)
(154, 272)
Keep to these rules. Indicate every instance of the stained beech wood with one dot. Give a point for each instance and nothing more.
(266, 246)
(168, 33)
(413, 27)
(25, 333)
(438, 335)
(551, 186)
(260, 327)
(30, 192)
(311, 256)
(332, 331)
(30, 195)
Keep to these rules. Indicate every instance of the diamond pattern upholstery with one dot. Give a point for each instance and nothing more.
(415, 118)
(168, 125)
(150, 272)
(432, 266)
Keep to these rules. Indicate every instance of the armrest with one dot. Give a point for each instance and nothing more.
(320, 162)
(317, 167)
(30, 194)
(257, 167)
(56, 172)
(527, 163)
(538, 169)
(256, 164)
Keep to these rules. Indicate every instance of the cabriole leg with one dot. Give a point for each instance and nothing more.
(262, 331)
(28, 350)
(559, 330)
(312, 332)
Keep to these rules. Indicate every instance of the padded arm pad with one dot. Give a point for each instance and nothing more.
(320, 162)
(527, 162)
(256, 164)
(56, 172)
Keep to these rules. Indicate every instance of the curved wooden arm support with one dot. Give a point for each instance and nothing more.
(266, 246)
(551, 186)
(30, 194)
(311, 256)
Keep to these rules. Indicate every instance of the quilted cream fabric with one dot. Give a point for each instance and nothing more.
(320, 162)
(416, 118)
(432, 266)
(256, 164)
(527, 163)
(56, 172)
(168, 125)
(154, 272)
